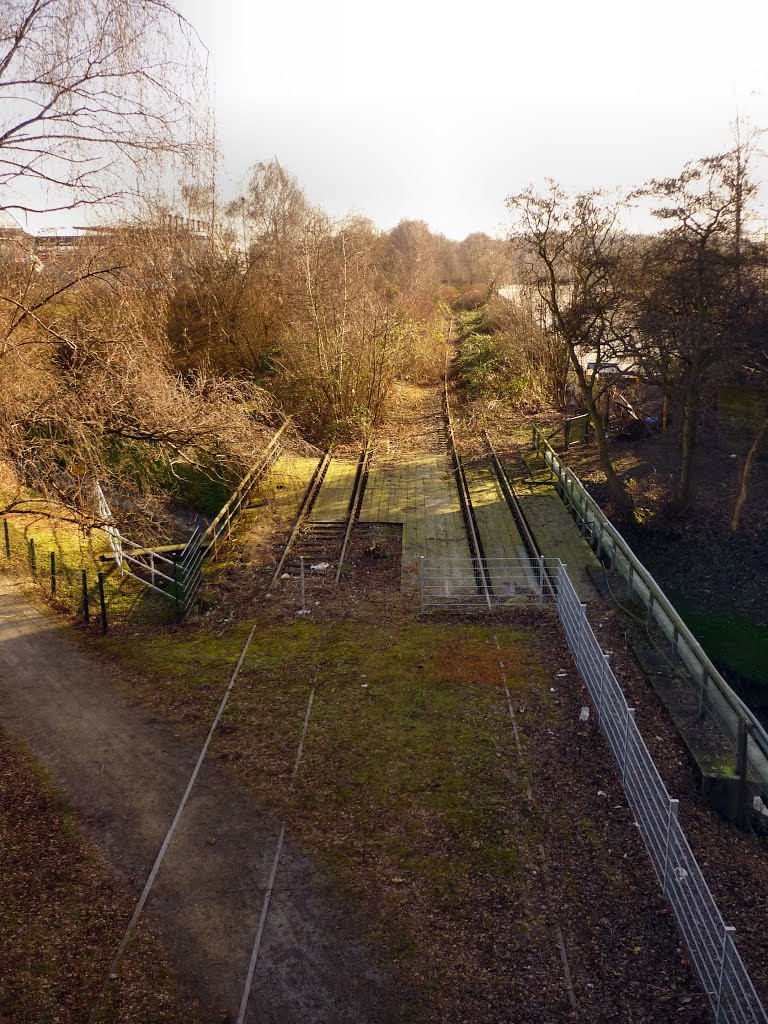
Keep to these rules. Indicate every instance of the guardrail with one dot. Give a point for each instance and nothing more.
(221, 527)
(715, 698)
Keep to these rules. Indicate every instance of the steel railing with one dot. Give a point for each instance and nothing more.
(221, 527)
(715, 698)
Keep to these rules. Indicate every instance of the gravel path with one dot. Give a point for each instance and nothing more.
(124, 773)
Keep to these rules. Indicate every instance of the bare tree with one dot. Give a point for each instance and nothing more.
(91, 91)
(91, 390)
(574, 250)
(692, 304)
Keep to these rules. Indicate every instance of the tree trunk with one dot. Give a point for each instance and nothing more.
(614, 481)
(690, 431)
(743, 491)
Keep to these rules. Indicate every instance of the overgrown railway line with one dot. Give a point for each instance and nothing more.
(322, 541)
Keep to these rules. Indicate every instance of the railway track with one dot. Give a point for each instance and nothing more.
(314, 541)
(528, 544)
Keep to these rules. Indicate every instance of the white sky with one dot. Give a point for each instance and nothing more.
(437, 111)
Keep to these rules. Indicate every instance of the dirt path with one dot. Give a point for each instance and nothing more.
(124, 773)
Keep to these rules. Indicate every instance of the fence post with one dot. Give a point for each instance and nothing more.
(32, 559)
(630, 717)
(102, 602)
(7, 539)
(741, 769)
(86, 611)
(606, 668)
(303, 603)
(703, 691)
(649, 616)
(421, 582)
(53, 572)
(176, 593)
(541, 579)
(582, 621)
(728, 934)
(674, 806)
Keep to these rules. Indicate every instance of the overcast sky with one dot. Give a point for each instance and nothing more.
(437, 111)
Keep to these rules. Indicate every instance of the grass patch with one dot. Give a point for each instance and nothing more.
(409, 788)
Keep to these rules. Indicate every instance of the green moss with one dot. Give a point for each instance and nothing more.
(406, 728)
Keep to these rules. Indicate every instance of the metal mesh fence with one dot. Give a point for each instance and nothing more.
(457, 584)
(469, 584)
(710, 943)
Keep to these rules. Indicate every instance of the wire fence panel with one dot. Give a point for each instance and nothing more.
(70, 581)
(710, 943)
(709, 696)
(455, 584)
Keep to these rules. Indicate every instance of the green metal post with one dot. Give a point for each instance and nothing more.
(86, 611)
(53, 572)
(102, 603)
(7, 539)
(32, 560)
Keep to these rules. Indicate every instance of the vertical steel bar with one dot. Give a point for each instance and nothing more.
(630, 717)
(421, 581)
(86, 610)
(728, 933)
(541, 579)
(303, 604)
(177, 592)
(102, 602)
(582, 623)
(7, 539)
(605, 670)
(674, 807)
(32, 559)
(53, 572)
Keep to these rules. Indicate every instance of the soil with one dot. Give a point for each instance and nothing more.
(124, 772)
